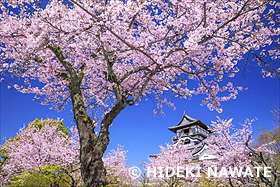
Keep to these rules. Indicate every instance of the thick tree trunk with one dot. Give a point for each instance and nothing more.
(91, 162)
(92, 147)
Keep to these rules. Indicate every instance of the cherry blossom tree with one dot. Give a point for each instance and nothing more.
(233, 147)
(267, 146)
(228, 144)
(117, 171)
(45, 154)
(43, 143)
(103, 56)
(162, 169)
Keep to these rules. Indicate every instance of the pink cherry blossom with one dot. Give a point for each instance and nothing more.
(34, 148)
(105, 55)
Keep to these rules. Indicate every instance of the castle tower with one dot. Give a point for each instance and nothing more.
(190, 130)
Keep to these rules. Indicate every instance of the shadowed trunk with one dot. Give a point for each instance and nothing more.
(92, 147)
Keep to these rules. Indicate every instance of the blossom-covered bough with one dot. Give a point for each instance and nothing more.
(103, 56)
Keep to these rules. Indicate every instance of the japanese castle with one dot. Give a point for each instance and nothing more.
(192, 132)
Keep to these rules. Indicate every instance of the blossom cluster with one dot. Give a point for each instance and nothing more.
(135, 48)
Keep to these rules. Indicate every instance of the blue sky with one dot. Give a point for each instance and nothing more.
(137, 129)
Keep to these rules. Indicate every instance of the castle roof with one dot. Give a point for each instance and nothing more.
(187, 121)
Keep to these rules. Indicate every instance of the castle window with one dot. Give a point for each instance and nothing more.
(186, 131)
(187, 141)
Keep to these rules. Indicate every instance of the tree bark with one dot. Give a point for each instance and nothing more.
(92, 147)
